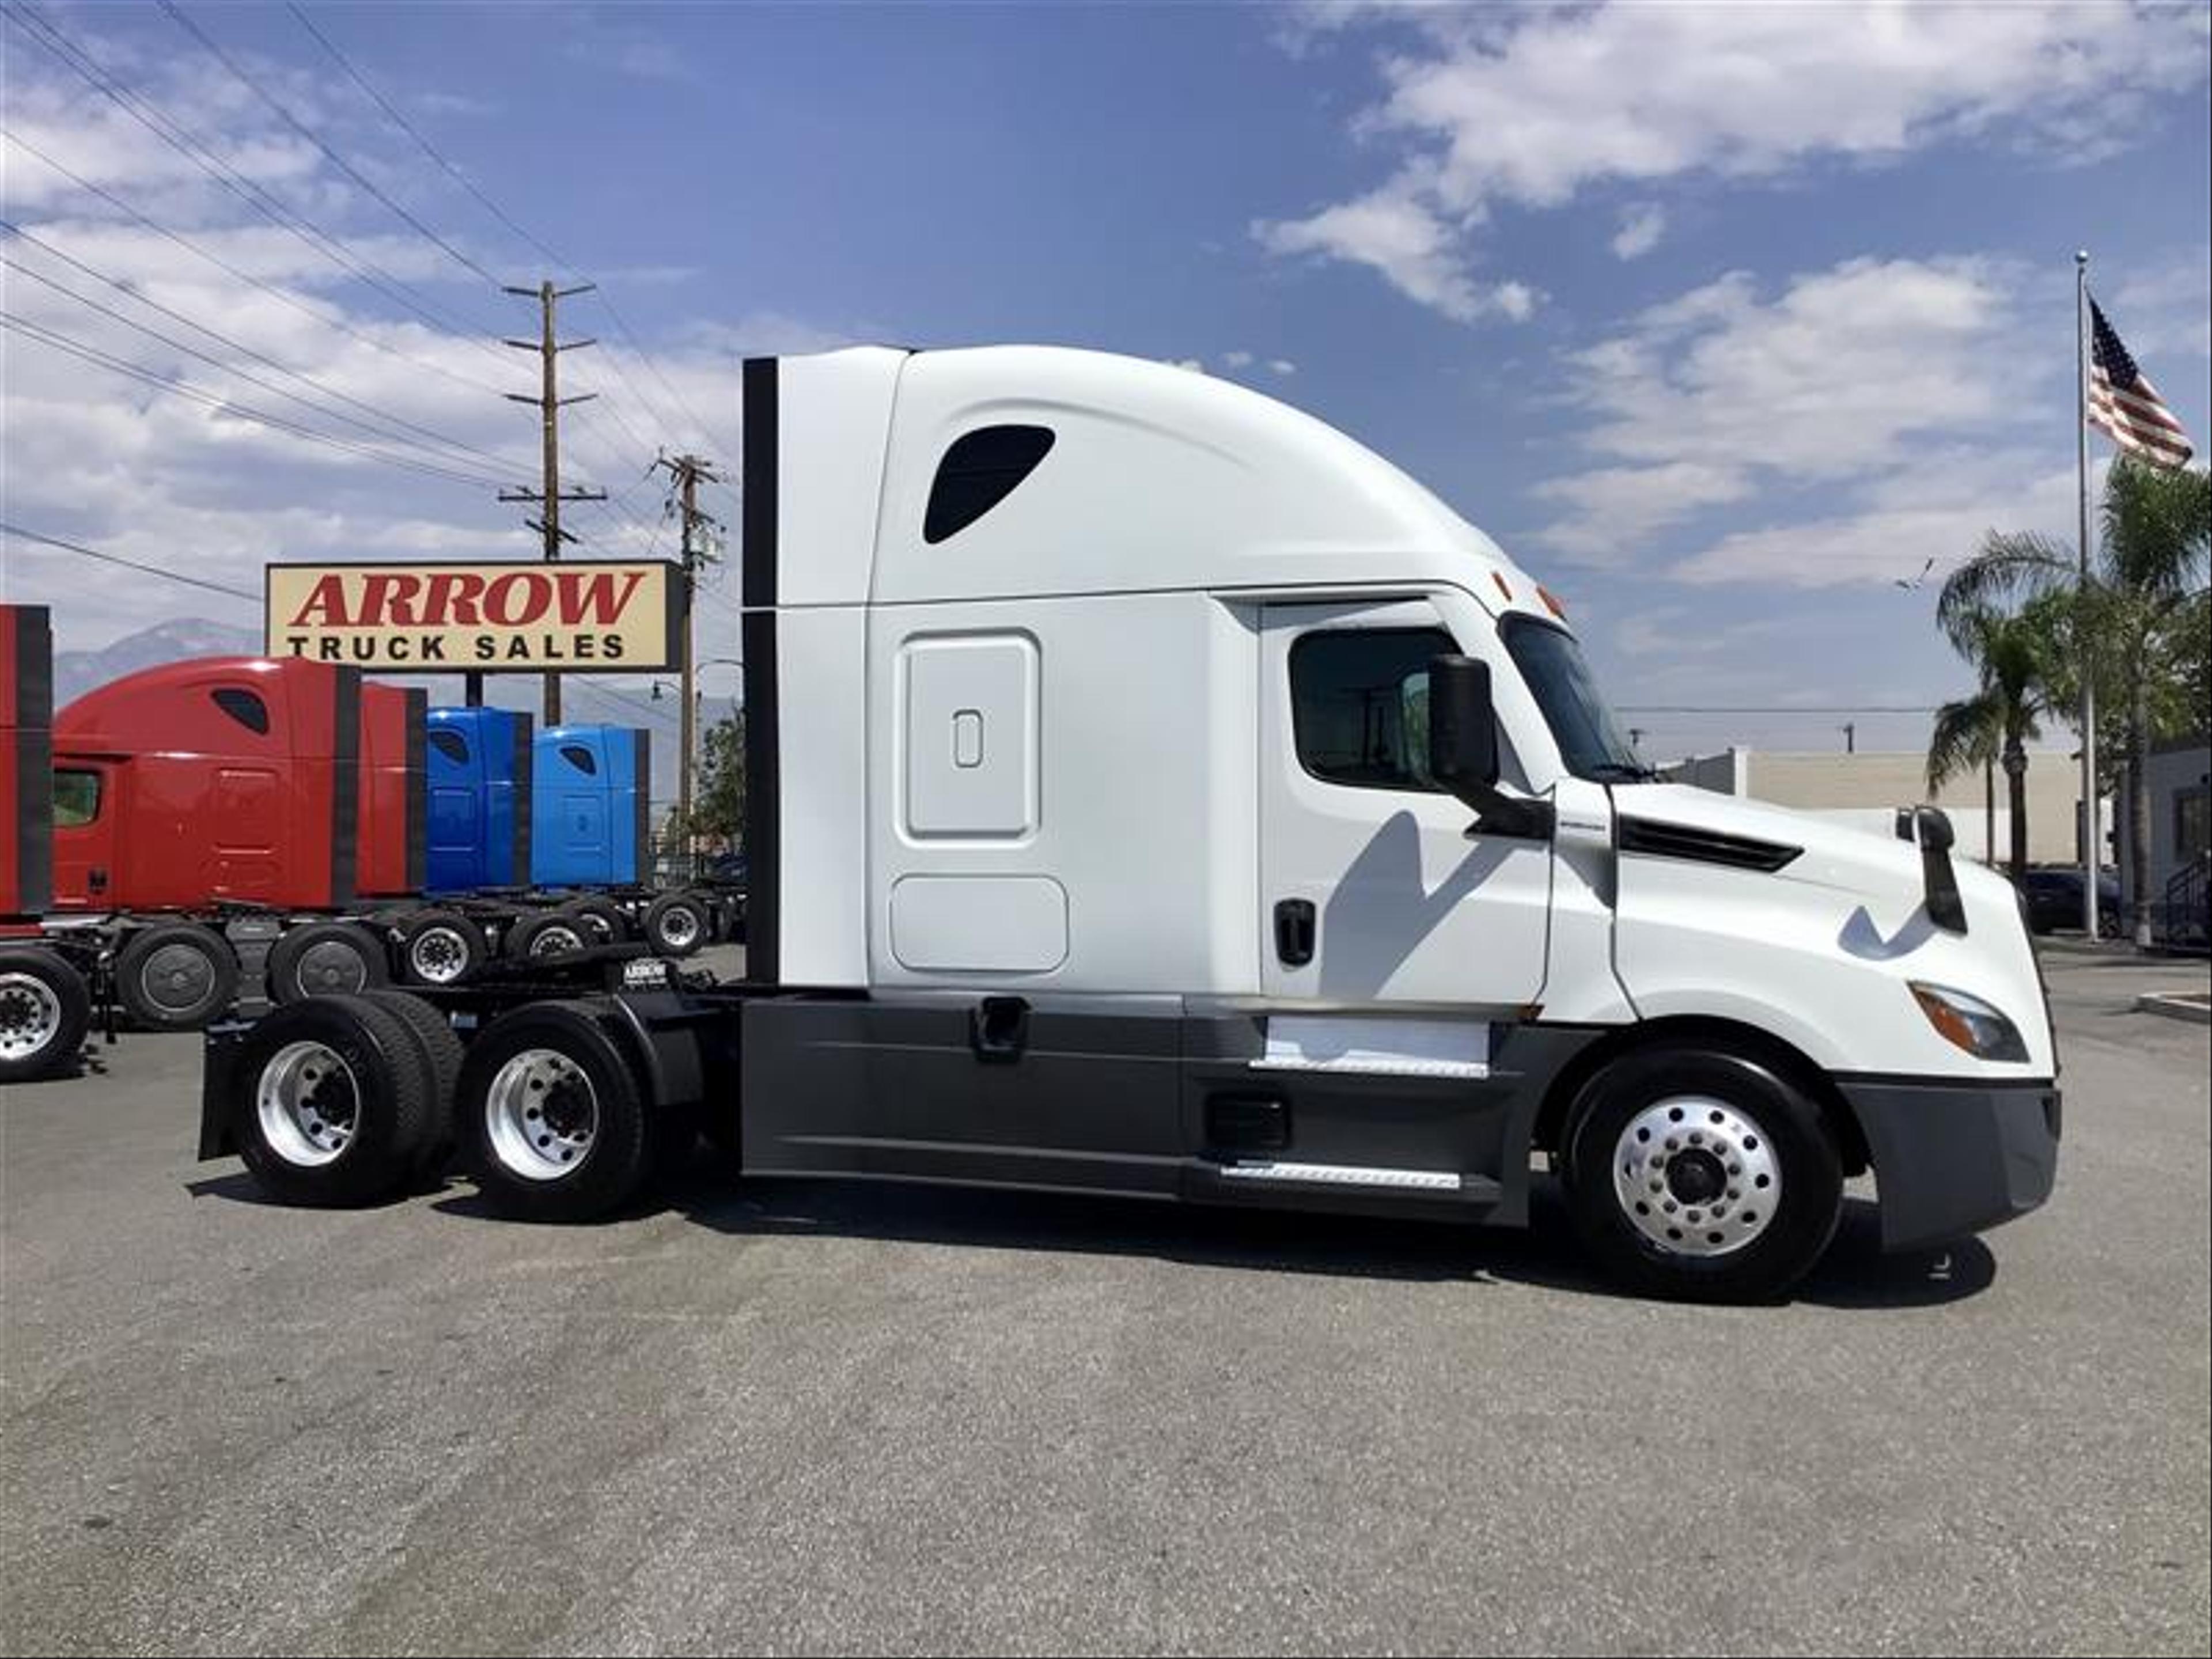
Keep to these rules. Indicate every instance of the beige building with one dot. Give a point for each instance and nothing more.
(1866, 788)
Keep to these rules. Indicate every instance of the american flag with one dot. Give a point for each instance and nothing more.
(2125, 406)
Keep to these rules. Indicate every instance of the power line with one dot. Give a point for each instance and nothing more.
(1774, 708)
(621, 325)
(150, 116)
(177, 16)
(77, 349)
(132, 564)
(214, 362)
(247, 277)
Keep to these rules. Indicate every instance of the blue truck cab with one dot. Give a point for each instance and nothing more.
(589, 823)
(480, 798)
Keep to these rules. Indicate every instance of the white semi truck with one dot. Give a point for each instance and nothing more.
(1152, 791)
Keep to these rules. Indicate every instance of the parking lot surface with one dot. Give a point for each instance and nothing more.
(814, 1417)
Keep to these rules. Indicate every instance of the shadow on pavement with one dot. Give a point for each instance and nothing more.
(1854, 1274)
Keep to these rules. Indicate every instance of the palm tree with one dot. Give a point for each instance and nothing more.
(2132, 612)
(1995, 723)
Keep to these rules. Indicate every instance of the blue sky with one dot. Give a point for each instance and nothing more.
(1722, 319)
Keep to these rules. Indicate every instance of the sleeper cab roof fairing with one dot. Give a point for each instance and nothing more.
(1155, 478)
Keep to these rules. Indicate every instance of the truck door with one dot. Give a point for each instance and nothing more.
(577, 791)
(85, 809)
(1371, 891)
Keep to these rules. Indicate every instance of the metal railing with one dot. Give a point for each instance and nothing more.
(2182, 919)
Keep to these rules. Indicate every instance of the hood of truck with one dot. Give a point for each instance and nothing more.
(1717, 915)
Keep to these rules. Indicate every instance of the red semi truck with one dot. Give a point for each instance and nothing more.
(197, 831)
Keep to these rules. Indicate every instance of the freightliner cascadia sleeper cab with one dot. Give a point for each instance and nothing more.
(1152, 791)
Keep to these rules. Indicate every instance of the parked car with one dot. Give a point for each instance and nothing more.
(2054, 899)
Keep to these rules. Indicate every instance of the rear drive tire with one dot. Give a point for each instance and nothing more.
(334, 1101)
(548, 936)
(176, 977)
(440, 947)
(550, 1116)
(602, 918)
(679, 924)
(45, 1009)
(1699, 1174)
(442, 1049)
(326, 959)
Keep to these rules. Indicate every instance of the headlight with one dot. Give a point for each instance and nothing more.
(1970, 1023)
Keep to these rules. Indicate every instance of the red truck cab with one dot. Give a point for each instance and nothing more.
(223, 780)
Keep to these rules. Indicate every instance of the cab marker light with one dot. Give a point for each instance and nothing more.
(1552, 604)
(1503, 586)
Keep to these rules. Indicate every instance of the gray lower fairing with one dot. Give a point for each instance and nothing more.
(1133, 1097)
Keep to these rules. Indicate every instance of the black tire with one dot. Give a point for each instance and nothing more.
(549, 936)
(679, 924)
(380, 1093)
(440, 947)
(605, 917)
(45, 1008)
(1710, 1115)
(326, 959)
(176, 977)
(544, 1080)
(442, 1049)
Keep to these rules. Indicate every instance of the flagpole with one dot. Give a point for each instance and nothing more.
(2092, 837)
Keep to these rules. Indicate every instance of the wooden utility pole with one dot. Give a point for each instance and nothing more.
(549, 402)
(686, 473)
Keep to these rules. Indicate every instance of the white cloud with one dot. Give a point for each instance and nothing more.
(1641, 227)
(1885, 540)
(1196, 366)
(121, 466)
(1612, 510)
(1860, 422)
(2161, 313)
(1236, 359)
(1844, 374)
(1282, 366)
(1394, 233)
(1533, 107)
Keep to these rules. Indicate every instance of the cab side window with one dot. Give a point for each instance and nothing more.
(77, 799)
(1360, 705)
(450, 744)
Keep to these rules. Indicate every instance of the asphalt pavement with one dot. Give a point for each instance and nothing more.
(809, 1417)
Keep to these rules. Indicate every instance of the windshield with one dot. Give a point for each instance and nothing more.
(1591, 740)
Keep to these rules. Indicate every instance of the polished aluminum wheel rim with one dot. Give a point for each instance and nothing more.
(308, 1103)
(30, 1015)
(1697, 1177)
(438, 955)
(541, 1115)
(680, 927)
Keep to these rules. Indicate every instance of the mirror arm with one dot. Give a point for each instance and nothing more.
(1518, 818)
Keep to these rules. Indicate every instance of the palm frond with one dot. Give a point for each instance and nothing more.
(2157, 523)
(1968, 734)
(2010, 566)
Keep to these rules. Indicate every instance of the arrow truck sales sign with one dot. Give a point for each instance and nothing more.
(583, 615)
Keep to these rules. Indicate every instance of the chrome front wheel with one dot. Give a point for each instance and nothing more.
(1697, 1177)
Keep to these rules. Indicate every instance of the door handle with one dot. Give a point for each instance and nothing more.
(1294, 931)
